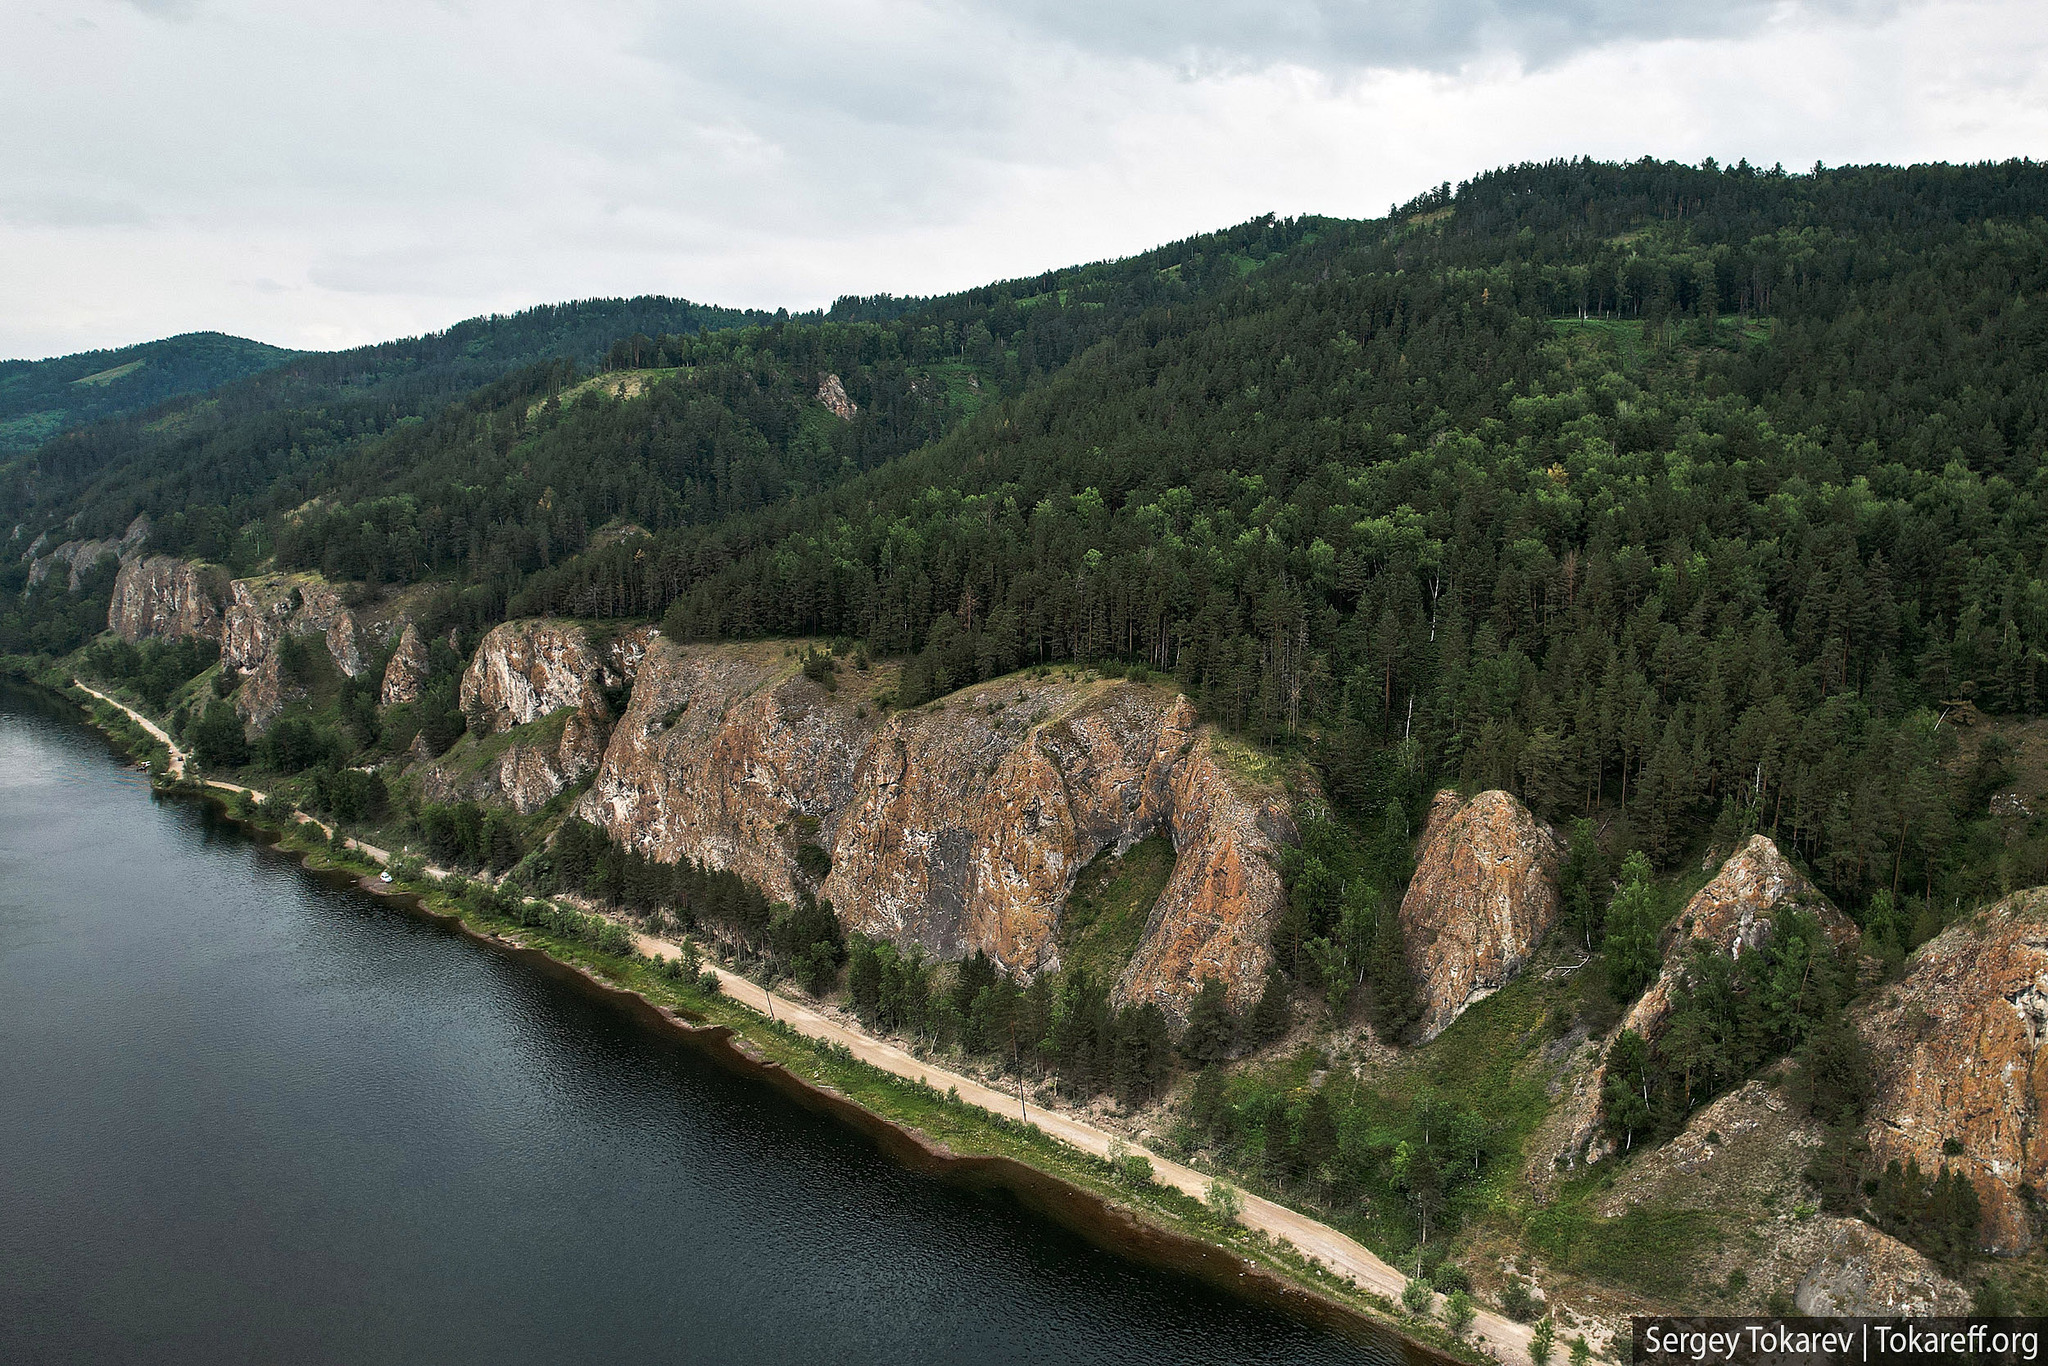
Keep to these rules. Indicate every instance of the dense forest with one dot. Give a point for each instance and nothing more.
(1702, 494)
(1684, 502)
(39, 399)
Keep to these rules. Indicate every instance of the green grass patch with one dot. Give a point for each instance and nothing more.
(1650, 1248)
(105, 377)
(1113, 897)
(471, 755)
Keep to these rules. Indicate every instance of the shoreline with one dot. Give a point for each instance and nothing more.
(1095, 1210)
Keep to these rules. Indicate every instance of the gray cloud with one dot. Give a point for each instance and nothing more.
(1339, 35)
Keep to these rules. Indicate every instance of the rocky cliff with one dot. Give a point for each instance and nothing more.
(261, 613)
(406, 671)
(1483, 896)
(536, 693)
(957, 826)
(1733, 914)
(76, 557)
(1958, 1048)
(158, 595)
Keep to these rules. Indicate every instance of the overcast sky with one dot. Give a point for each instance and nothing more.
(324, 174)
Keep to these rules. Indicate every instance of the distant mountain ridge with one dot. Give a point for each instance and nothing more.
(41, 398)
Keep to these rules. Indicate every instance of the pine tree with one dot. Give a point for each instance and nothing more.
(1634, 923)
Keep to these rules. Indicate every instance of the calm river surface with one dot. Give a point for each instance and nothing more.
(247, 1115)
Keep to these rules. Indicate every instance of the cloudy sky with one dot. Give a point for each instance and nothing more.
(323, 174)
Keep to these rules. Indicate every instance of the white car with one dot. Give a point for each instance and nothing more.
(384, 876)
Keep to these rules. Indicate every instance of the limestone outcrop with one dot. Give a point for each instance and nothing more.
(405, 674)
(832, 393)
(957, 826)
(1733, 914)
(1483, 896)
(523, 670)
(162, 596)
(77, 557)
(537, 690)
(1958, 1048)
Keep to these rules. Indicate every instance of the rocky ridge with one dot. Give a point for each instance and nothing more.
(957, 826)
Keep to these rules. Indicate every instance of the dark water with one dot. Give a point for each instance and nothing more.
(246, 1115)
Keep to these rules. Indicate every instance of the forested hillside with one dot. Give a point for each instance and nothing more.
(39, 399)
(1697, 493)
(1611, 600)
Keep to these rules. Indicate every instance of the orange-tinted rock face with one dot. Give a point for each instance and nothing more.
(1483, 896)
(406, 672)
(1958, 1049)
(957, 827)
(1733, 913)
(158, 595)
(724, 754)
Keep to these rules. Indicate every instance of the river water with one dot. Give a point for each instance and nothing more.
(247, 1114)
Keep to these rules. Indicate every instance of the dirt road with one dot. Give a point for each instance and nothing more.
(1506, 1339)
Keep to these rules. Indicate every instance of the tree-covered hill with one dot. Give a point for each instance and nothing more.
(1691, 495)
(41, 398)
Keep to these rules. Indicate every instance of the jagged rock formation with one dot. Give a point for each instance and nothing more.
(406, 672)
(261, 613)
(956, 826)
(159, 595)
(1958, 1050)
(79, 556)
(1732, 914)
(832, 393)
(538, 688)
(1483, 896)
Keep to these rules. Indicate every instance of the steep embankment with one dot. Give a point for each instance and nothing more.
(957, 826)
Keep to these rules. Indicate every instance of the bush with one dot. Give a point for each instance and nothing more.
(1458, 1313)
(1449, 1277)
(707, 982)
(1543, 1343)
(1518, 1303)
(1417, 1297)
(1224, 1202)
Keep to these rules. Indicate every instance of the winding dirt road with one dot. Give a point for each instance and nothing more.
(1502, 1337)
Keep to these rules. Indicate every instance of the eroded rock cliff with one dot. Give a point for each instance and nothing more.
(1958, 1049)
(957, 826)
(160, 595)
(1483, 896)
(407, 670)
(537, 688)
(1733, 915)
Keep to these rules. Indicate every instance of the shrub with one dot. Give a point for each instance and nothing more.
(1458, 1313)
(1449, 1277)
(1225, 1202)
(1518, 1303)
(1543, 1343)
(1417, 1297)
